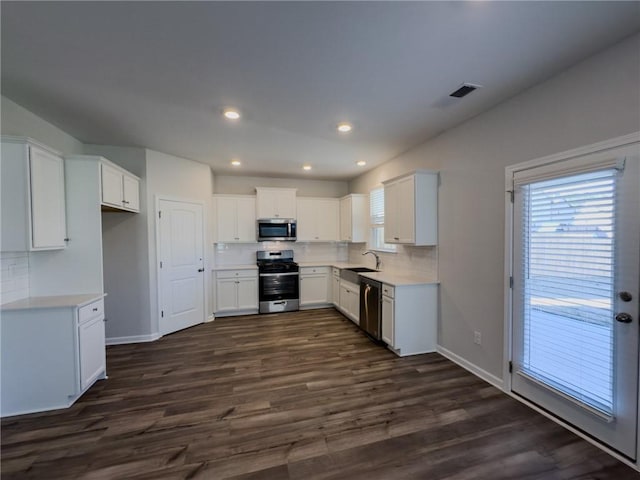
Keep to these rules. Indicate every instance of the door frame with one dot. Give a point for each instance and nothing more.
(625, 140)
(156, 265)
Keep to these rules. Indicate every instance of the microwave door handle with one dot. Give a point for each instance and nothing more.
(289, 229)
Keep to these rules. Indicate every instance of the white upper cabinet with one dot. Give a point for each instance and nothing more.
(411, 209)
(235, 218)
(354, 218)
(33, 197)
(275, 202)
(120, 189)
(318, 219)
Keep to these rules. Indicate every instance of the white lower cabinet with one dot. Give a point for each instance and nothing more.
(350, 301)
(314, 287)
(52, 351)
(409, 318)
(335, 286)
(91, 345)
(388, 320)
(236, 292)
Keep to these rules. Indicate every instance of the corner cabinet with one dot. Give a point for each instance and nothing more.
(354, 218)
(235, 218)
(53, 350)
(33, 197)
(275, 202)
(318, 219)
(411, 209)
(120, 189)
(235, 292)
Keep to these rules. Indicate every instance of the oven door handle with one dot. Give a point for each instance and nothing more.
(278, 274)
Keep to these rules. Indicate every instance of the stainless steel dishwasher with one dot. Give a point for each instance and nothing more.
(371, 307)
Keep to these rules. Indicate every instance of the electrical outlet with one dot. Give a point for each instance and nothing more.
(477, 338)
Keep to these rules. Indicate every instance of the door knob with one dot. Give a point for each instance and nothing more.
(624, 317)
(625, 296)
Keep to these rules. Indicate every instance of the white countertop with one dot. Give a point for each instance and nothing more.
(56, 301)
(235, 267)
(395, 279)
(398, 280)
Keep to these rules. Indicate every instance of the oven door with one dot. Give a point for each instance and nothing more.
(279, 286)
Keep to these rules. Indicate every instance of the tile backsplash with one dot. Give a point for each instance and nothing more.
(408, 260)
(420, 261)
(245, 253)
(14, 269)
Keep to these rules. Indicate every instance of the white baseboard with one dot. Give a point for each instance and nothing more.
(133, 339)
(210, 318)
(467, 365)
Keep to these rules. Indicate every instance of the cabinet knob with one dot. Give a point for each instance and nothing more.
(95, 309)
(201, 270)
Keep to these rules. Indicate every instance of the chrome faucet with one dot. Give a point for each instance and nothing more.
(375, 255)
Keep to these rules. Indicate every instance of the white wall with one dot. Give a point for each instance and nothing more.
(16, 120)
(593, 101)
(177, 178)
(306, 188)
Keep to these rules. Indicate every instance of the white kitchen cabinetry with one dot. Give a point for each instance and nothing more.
(318, 219)
(53, 350)
(409, 318)
(33, 197)
(235, 218)
(236, 292)
(354, 218)
(411, 209)
(275, 202)
(314, 287)
(120, 189)
(335, 286)
(350, 301)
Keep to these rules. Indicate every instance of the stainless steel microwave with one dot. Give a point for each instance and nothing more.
(276, 229)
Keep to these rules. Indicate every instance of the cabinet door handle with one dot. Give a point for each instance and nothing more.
(201, 270)
(95, 309)
(124, 201)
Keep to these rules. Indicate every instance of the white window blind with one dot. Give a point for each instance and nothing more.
(568, 235)
(376, 208)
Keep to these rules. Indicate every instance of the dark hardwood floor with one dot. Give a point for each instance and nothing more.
(300, 395)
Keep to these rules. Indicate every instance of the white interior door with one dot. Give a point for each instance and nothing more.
(576, 272)
(181, 270)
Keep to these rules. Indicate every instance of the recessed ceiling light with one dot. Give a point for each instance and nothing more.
(306, 167)
(344, 127)
(236, 163)
(361, 163)
(231, 113)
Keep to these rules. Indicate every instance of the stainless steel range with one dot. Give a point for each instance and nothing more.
(279, 289)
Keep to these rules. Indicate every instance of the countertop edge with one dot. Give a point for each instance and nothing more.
(52, 301)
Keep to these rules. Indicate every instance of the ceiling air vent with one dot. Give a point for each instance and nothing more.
(464, 90)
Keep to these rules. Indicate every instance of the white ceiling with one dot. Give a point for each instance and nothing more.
(158, 74)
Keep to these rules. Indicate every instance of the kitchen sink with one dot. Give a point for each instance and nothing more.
(351, 274)
(361, 269)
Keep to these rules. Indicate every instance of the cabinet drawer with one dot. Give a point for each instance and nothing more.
(312, 270)
(237, 274)
(388, 291)
(95, 309)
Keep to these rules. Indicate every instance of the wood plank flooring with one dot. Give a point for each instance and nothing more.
(302, 395)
